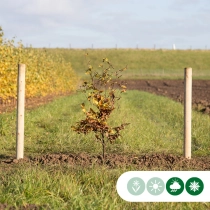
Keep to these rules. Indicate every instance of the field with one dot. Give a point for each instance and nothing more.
(64, 170)
(142, 64)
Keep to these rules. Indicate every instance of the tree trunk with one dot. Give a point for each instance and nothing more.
(103, 148)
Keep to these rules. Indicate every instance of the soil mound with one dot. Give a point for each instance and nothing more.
(141, 162)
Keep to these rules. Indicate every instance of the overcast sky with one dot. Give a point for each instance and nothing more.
(107, 23)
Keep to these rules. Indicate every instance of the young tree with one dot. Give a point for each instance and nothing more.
(103, 93)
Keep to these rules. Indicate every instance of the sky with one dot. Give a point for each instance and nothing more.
(149, 24)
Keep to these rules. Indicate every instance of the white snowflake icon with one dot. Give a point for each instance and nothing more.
(194, 186)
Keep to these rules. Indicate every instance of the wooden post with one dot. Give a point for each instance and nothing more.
(187, 111)
(20, 111)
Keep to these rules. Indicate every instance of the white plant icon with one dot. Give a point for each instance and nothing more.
(136, 186)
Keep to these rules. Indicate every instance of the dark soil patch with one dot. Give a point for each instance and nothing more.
(138, 162)
(174, 89)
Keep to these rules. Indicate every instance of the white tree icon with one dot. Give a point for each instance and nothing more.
(136, 186)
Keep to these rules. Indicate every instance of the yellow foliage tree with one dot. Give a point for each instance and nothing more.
(45, 74)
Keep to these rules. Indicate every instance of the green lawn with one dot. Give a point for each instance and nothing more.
(142, 64)
(156, 126)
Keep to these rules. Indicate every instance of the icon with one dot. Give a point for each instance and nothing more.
(136, 186)
(155, 186)
(175, 186)
(194, 186)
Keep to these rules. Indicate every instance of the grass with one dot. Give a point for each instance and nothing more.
(156, 125)
(64, 188)
(142, 64)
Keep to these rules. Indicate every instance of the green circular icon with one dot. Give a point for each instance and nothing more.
(175, 186)
(194, 186)
(136, 186)
(155, 186)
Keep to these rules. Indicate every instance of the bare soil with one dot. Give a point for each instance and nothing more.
(138, 162)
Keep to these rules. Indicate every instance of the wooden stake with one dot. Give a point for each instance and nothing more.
(187, 111)
(20, 111)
